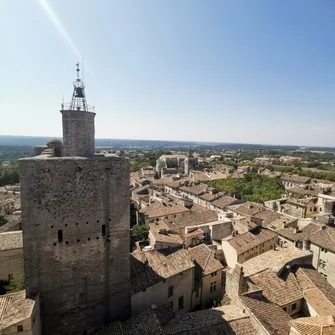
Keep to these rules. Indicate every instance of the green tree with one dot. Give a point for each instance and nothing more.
(139, 233)
(15, 284)
(253, 187)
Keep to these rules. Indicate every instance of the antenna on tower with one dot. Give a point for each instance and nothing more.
(62, 99)
(82, 69)
(77, 64)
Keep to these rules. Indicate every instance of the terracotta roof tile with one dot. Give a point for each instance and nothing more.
(203, 257)
(280, 292)
(244, 242)
(224, 201)
(248, 208)
(11, 240)
(271, 316)
(192, 219)
(219, 321)
(317, 325)
(275, 260)
(152, 266)
(166, 237)
(160, 209)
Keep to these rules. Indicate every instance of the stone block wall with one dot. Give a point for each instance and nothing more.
(75, 221)
(78, 133)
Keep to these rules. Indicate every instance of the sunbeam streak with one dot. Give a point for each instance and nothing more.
(59, 27)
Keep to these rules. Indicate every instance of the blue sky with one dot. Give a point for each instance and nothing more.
(260, 71)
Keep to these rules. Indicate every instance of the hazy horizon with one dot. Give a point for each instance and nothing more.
(259, 71)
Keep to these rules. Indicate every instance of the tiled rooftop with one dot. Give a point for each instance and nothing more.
(219, 321)
(248, 208)
(317, 325)
(277, 290)
(244, 242)
(14, 308)
(271, 316)
(266, 216)
(11, 240)
(166, 237)
(203, 257)
(195, 189)
(192, 219)
(292, 178)
(224, 201)
(275, 260)
(160, 209)
(152, 266)
(324, 236)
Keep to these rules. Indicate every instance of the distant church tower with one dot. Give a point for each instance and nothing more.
(75, 221)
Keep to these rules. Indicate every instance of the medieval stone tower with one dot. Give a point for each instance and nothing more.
(75, 221)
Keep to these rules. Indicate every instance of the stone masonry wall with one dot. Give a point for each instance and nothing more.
(75, 220)
(78, 133)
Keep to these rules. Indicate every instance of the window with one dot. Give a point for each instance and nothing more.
(170, 291)
(285, 309)
(181, 273)
(171, 304)
(213, 287)
(181, 302)
(294, 307)
(322, 264)
(214, 274)
(103, 230)
(20, 328)
(60, 235)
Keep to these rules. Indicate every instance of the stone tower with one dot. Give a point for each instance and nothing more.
(78, 123)
(75, 221)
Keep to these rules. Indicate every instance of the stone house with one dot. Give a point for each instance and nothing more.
(222, 203)
(198, 227)
(240, 248)
(161, 277)
(319, 239)
(272, 299)
(161, 238)
(11, 255)
(208, 276)
(266, 317)
(162, 209)
(291, 180)
(299, 208)
(10, 222)
(19, 314)
(141, 195)
(246, 209)
(325, 204)
(200, 194)
(175, 164)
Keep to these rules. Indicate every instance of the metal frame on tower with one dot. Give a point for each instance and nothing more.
(78, 101)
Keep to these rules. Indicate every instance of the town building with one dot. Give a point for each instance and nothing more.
(11, 255)
(19, 314)
(208, 277)
(292, 180)
(319, 239)
(75, 221)
(240, 248)
(273, 300)
(161, 277)
(175, 164)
